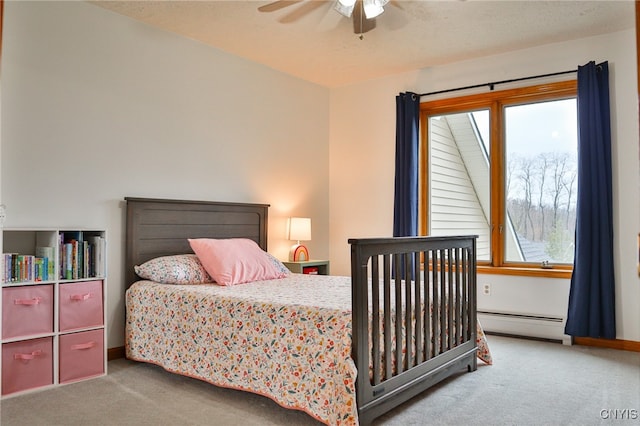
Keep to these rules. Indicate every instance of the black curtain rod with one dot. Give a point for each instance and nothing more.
(491, 85)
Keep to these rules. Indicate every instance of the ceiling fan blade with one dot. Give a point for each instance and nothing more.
(277, 5)
(361, 24)
(301, 11)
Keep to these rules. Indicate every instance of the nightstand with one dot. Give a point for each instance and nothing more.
(319, 267)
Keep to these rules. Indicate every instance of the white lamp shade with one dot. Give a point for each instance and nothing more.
(299, 228)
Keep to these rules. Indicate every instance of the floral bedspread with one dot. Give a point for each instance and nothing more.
(288, 339)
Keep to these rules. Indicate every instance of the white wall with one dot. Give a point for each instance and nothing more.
(96, 107)
(362, 164)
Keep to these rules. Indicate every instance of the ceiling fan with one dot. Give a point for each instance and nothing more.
(362, 12)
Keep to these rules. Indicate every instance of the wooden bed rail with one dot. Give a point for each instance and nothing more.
(414, 316)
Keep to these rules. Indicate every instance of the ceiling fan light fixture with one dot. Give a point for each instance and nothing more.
(373, 8)
(345, 7)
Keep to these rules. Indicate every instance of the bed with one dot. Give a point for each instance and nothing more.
(343, 349)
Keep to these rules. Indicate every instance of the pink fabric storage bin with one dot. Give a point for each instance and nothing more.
(27, 310)
(27, 364)
(80, 305)
(81, 355)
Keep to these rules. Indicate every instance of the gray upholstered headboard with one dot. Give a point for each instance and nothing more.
(157, 227)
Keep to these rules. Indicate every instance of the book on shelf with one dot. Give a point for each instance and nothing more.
(69, 241)
(48, 262)
(97, 252)
(81, 256)
(19, 268)
(9, 267)
(66, 269)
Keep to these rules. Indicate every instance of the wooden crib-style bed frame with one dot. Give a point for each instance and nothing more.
(406, 345)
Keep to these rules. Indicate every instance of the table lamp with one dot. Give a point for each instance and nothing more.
(299, 229)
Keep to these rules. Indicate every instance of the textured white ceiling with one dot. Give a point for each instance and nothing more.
(309, 40)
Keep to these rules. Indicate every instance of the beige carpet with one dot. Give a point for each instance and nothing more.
(531, 383)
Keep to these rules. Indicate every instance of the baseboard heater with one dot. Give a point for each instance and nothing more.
(525, 325)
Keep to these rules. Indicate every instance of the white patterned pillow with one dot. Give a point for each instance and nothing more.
(279, 265)
(176, 269)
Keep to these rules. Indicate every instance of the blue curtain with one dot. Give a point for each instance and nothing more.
(405, 206)
(405, 211)
(592, 294)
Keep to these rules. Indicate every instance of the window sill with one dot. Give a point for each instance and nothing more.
(529, 272)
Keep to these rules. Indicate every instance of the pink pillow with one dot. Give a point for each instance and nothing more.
(234, 260)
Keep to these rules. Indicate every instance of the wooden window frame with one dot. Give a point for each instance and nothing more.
(494, 101)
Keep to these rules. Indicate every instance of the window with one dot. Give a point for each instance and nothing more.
(503, 166)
